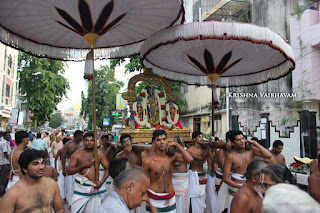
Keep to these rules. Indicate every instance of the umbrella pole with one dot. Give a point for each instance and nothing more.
(212, 112)
(96, 162)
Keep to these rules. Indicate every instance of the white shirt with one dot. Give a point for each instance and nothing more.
(114, 204)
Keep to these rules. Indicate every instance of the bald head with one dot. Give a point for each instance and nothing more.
(135, 173)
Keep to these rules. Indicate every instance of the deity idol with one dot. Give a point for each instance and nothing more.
(173, 114)
(140, 113)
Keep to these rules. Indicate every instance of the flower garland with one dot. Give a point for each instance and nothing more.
(176, 115)
(136, 117)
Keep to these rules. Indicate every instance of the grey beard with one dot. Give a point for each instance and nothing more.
(257, 188)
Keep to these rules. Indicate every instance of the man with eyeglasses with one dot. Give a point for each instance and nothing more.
(133, 156)
(87, 196)
(238, 160)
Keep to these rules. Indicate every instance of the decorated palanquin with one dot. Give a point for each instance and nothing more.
(152, 109)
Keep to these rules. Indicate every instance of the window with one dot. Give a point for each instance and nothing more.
(10, 61)
(4, 61)
(3, 90)
(8, 91)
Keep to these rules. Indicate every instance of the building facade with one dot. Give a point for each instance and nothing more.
(8, 83)
(306, 45)
(276, 15)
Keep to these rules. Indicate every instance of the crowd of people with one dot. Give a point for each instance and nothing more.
(237, 176)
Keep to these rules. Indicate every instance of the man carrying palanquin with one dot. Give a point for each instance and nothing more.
(197, 175)
(160, 167)
(133, 156)
(238, 160)
(180, 181)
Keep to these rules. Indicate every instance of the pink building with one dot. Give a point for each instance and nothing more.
(305, 41)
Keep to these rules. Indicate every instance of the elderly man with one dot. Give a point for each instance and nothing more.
(131, 188)
(248, 198)
(33, 193)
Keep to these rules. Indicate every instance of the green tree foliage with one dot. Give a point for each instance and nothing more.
(56, 119)
(41, 85)
(106, 94)
(135, 65)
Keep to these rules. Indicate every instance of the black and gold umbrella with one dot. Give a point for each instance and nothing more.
(71, 29)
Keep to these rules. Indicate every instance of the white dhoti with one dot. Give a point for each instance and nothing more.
(238, 179)
(108, 184)
(69, 184)
(197, 190)
(15, 178)
(211, 195)
(86, 198)
(70, 187)
(180, 183)
(60, 180)
(222, 192)
(164, 202)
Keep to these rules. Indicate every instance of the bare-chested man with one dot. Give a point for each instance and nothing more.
(249, 197)
(22, 139)
(49, 171)
(33, 193)
(221, 187)
(111, 152)
(88, 192)
(160, 167)
(277, 157)
(238, 160)
(69, 148)
(211, 195)
(314, 163)
(314, 179)
(134, 157)
(197, 175)
(180, 181)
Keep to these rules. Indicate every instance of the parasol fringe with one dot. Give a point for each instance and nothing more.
(66, 54)
(218, 31)
(223, 82)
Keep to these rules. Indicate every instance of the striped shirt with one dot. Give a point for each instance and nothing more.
(114, 203)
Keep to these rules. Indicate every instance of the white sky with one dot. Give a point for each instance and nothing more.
(74, 73)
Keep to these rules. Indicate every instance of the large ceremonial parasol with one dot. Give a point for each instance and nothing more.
(226, 54)
(71, 29)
